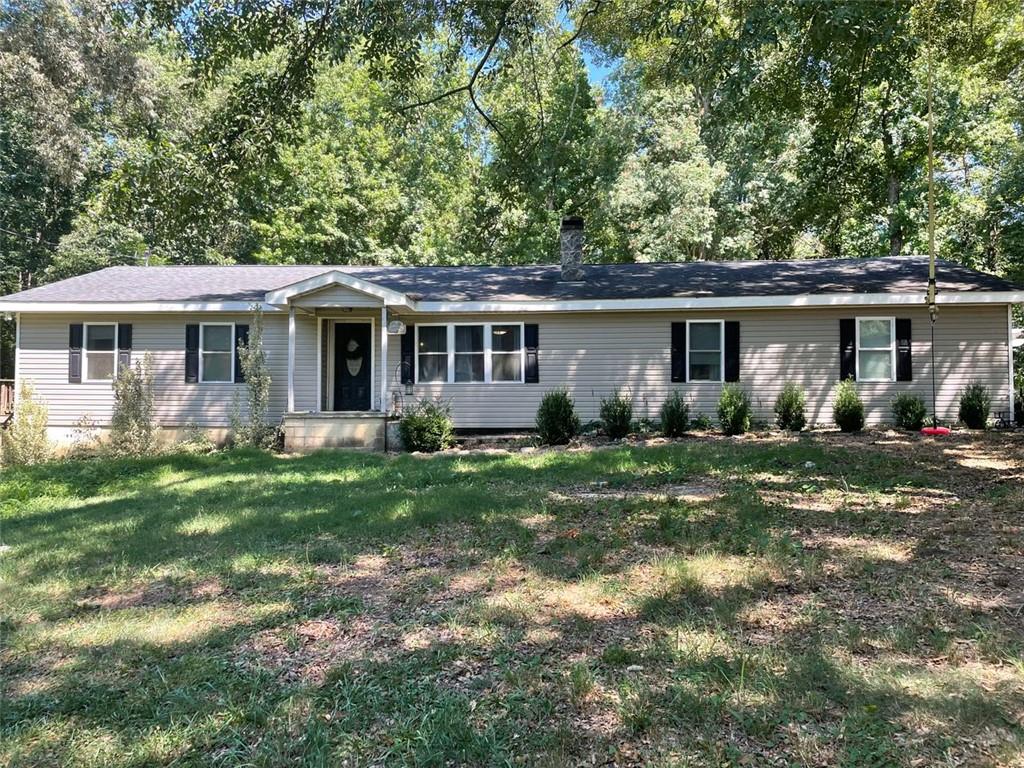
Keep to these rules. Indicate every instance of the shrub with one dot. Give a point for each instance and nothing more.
(847, 408)
(25, 440)
(85, 436)
(427, 427)
(616, 415)
(675, 416)
(131, 424)
(974, 406)
(909, 411)
(557, 422)
(1018, 409)
(701, 421)
(254, 431)
(789, 408)
(734, 410)
(195, 439)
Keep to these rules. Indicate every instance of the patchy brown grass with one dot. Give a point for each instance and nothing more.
(825, 600)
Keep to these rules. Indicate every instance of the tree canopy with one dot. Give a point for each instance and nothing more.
(418, 131)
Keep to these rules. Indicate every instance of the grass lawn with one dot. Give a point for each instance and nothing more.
(758, 601)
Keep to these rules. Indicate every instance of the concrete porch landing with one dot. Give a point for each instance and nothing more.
(304, 432)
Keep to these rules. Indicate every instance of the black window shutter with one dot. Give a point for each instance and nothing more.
(531, 340)
(75, 353)
(678, 351)
(847, 349)
(904, 364)
(192, 353)
(408, 353)
(732, 350)
(241, 339)
(124, 346)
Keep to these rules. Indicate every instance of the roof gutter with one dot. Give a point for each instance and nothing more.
(574, 305)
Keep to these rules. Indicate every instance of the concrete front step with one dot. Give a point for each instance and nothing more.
(305, 432)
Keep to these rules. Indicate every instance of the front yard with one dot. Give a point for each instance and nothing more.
(759, 601)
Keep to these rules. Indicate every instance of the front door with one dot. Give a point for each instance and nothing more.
(352, 366)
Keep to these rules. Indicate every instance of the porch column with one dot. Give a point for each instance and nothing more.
(291, 358)
(384, 359)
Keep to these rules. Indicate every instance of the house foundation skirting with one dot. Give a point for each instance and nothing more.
(304, 432)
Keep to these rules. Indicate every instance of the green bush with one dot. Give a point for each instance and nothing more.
(847, 408)
(427, 427)
(789, 408)
(1018, 409)
(254, 431)
(734, 410)
(132, 432)
(25, 441)
(974, 406)
(675, 416)
(701, 421)
(616, 416)
(557, 422)
(909, 411)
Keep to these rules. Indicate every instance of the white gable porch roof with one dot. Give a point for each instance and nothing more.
(281, 297)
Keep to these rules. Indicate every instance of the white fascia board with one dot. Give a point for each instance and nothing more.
(580, 305)
(141, 307)
(720, 302)
(282, 296)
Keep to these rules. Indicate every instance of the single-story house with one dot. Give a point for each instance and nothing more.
(347, 345)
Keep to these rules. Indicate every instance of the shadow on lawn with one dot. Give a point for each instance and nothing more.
(474, 693)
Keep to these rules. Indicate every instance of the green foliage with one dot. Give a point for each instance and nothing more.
(734, 410)
(132, 432)
(25, 442)
(616, 415)
(975, 404)
(557, 422)
(847, 408)
(1018, 409)
(254, 430)
(702, 422)
(94, 244)
(908, 411)
(789, 407)
(675, 415)
(427, 427)
(195, 439)
(665, 189)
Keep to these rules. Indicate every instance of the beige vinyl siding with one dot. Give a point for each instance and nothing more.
(44, 360)
(337, 296)
(593, 354)
(596, 354)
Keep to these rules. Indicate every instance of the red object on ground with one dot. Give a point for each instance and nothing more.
(933, 431)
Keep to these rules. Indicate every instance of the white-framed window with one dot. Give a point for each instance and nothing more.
(216, 352)
(99, 350)
(464, 353)
(432, 353)
(507, 361)
(876, 349)
(470, 358)
(705, 350)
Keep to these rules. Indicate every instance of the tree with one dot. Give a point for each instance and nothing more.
(663, 195)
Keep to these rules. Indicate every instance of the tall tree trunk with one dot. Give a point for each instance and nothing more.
(895, 227)
(894, 185)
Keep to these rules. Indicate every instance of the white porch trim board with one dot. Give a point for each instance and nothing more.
(383, 359)
(291, 359)
(1009, 361)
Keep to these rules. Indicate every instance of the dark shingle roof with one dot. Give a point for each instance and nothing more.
(904, 274)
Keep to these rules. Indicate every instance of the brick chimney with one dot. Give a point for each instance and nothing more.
(571, 241)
